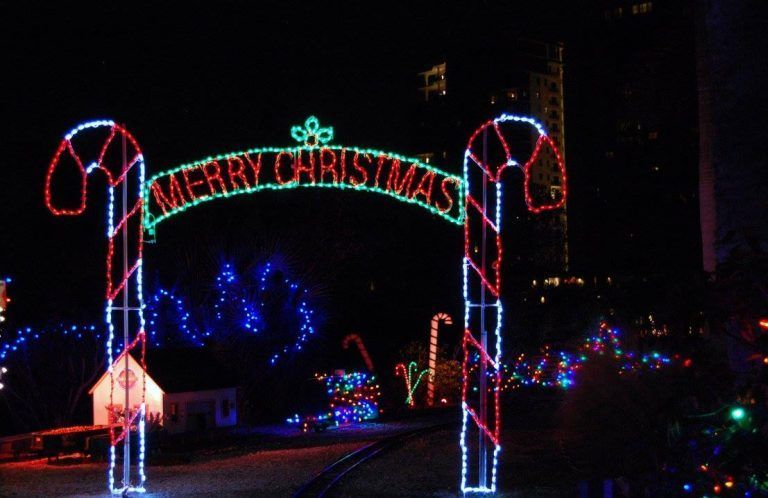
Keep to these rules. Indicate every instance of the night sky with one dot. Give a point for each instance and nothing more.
(194, 80)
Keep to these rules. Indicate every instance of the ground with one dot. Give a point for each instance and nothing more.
(267, 473)
(540, 459)
(276, 465)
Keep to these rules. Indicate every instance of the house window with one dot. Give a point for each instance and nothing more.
(174, 412)
(225, 408)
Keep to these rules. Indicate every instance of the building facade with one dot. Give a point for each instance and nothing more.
(463, 90)
(634, 153)
(179, 406)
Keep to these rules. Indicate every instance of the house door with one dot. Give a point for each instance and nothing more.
(200, 415)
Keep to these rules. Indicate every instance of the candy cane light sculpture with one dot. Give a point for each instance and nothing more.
(410, 384)
(360, 347)
(120, 159)
(488, 154)
(440, 317)
(477, 207)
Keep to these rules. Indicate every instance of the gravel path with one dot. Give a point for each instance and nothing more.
(262, 473)
(428, 467)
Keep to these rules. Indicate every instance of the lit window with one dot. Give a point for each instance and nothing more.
(614, 13)
(426, 157)
(642, 8)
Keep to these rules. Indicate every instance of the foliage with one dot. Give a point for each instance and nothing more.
(255, 318)
(45, 388)
(447, 373)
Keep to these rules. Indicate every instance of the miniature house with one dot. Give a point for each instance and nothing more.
(187, 391)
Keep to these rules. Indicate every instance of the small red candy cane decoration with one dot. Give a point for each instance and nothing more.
(361, 347)
(440, 317)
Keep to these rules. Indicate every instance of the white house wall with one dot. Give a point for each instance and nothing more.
(100, 394)
(217, 396)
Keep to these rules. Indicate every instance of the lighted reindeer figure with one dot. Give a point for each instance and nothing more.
(120, 160)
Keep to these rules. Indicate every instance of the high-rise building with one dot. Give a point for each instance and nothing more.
(434, 82)
(463, 90)
(633, 138)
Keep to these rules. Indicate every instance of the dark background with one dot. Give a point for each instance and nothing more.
(194, 79)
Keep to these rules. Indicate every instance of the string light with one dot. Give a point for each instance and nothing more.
(738, 413)
(312, 164)
(407, 375)
(353, 398)
(4, 299)
(559, 368)
(234, 302)
(26, 335)
(550, 369)
(717, 454)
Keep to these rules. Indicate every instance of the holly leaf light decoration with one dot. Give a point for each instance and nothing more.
(312, 134)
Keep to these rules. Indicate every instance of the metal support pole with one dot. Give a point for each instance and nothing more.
(483, 411)
(126, 333)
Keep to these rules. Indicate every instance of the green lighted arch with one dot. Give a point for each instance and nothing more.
(313, 164)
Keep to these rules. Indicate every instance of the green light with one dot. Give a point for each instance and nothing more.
(738, 413)
(311, 137)
(151, 220)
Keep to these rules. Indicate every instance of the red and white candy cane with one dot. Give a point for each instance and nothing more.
(440, 317)
(488, 154)
(119, 157)
(361, 347)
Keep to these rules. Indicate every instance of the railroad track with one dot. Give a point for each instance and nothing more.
(330, 476)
